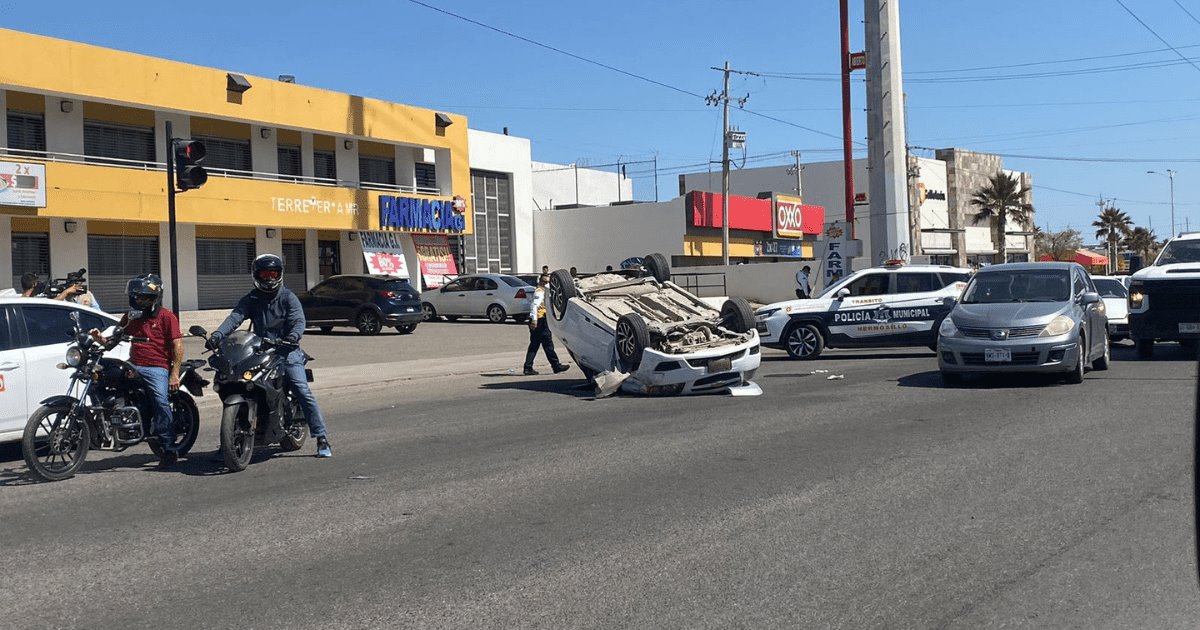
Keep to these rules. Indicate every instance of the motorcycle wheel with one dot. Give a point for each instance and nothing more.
(55, 443)
(187, 425)
(297, 431)
(237, 437)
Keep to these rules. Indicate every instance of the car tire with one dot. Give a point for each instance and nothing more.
(1101, 363)
(326, 329)
(736, 315)
(406, 329)
(368, 323)
(952, 379)
(632, 338)
(656, 265)
(1145, 348)
(561, 290)
(1075, 377)
(496, 314)
(803, 341)
(429, 313)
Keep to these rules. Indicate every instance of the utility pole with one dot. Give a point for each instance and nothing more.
(1171, 176)
(723, 100)
(796, 169)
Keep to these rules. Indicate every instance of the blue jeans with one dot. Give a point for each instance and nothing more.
(293, 371)
(157, 380)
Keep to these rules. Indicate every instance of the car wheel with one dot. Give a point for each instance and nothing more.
(1076, 375)
(952, 379)
(430, 313)
(656, 265)
(736, 315)
(1101, 362)
(406, 329)
(496, 314)
(562, 288)
(327, 329)
(633, 336)
(1145, 348)
(804, 341)
(368, 323)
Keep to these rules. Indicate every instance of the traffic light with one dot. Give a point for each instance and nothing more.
(188, 172)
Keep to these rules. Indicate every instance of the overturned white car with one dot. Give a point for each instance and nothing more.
(636, 331)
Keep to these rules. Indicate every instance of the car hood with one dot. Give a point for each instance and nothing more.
(1181, 271)
(1116, 308)
(1013, 314)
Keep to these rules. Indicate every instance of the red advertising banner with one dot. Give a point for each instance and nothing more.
(745, 213)
(433, 250)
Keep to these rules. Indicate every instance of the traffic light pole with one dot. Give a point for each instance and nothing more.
(171, 219)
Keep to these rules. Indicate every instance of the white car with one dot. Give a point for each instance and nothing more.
(1115, 295)
(495, 296)
(890, 306)
(34, 335)
(644, 334)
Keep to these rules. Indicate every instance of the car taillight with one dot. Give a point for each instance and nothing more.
(521, 294)
(390, 295)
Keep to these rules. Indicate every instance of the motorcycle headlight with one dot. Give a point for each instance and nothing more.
(74, 356)
(947, 329)
(1058, 326)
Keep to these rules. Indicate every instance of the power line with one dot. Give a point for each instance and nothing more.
(1152, 32)
(1189, 13)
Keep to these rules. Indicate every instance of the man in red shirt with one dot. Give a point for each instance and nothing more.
(159, 359)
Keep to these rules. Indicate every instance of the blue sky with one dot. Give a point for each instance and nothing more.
(1131, 108)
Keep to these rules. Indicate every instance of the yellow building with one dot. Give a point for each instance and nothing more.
(293, 170)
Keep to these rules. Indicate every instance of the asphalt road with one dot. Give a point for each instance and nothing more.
(499, 501)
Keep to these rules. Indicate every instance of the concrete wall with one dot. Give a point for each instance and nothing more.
(563, 184)
(509, 154)
(64, 130)
(592, 238)
(760, 283)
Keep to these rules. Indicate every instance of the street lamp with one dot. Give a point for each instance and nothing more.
(1170, 174)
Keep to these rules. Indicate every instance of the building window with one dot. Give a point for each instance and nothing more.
(113, 143)
(30, 254)
(376, 170)
(224, 154)
(325, 165)
(976, 260)
(26, 133)
(941, 259)
(1018, 257)
(289, 161)
(425, 177)
(489, 249)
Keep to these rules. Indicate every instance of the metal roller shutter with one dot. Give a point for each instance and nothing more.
(30, 253)
(123, 142)
(113, 260)
(223, 271)
(294, 266)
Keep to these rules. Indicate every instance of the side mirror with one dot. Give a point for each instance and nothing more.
(1091, 297)
(843, 293)
(198, 331)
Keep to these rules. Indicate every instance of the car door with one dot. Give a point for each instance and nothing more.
(917, 305)
(486, 293)
(852, 318)
(1097, 321)
(14, 377)
(347, 297)
(316, 301)
(48, 331)
(452, 298)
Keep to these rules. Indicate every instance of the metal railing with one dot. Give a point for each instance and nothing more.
(695, 282)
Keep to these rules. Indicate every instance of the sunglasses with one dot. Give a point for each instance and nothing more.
(268, 274)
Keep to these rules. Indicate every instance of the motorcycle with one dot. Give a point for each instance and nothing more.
(107, 407)
(259, 408)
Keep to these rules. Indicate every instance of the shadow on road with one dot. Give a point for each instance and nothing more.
(568, 387)
(1125, 351)
(849, 355)
(933, 380)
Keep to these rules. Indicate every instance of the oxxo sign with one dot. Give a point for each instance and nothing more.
(789, 217)
(411, 213)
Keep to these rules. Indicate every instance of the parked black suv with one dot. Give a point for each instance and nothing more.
(366, 302)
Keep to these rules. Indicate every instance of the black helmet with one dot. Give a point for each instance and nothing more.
(145, 293)
(268, 272)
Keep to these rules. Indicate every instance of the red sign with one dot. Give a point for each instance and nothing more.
(794, 220)
(858, 60)
(745, 213)
(433, 250)
(386, 263)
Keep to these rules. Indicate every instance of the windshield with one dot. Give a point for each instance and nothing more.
(1024, 285)
(1110, 288)
(1180, 252)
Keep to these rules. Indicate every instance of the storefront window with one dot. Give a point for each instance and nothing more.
(489, 249)
(26, 133)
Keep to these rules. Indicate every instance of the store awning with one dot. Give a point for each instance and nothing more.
(1087, 258)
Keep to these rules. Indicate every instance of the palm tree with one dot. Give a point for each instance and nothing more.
(1143, 242)
(1112, 226)
(998, 200)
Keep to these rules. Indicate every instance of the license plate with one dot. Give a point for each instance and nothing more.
(1189, 327)
(720, 365)
(410, 310)
(997, 355)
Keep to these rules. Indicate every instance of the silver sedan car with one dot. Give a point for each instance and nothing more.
(498, 297)
(1025, 317)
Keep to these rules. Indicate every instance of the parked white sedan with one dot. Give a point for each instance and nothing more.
(495, 296)
(34, 335)
(644, 334)
(1115, 295)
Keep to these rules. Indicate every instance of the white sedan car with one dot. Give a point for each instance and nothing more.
(1115, 295)
(496, 296)
(34, 335)
(644, 334)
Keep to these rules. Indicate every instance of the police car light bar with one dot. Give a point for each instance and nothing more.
(894, 262)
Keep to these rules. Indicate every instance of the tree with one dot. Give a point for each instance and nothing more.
(1060, 245)
(1112, 226)
(1142, 241)
(1000, 199)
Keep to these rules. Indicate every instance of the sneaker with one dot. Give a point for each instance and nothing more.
(323, 449)
(168, 459)
(561, 367)
(530, 372)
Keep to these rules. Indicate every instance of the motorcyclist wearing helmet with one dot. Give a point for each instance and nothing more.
(275, 313)
(157, 360)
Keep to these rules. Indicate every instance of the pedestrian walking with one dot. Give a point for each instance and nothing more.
(539, 332)
(803, 288)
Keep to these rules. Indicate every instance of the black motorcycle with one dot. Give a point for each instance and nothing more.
(259, 407)
(107, 407)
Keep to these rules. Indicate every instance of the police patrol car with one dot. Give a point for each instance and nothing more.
(891, 305)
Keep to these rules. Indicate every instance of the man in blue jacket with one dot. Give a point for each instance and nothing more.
(275, 313)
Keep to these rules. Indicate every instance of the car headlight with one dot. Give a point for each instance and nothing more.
(1136, 299)
(74, 356)
(947, 329)
(766, 313)
(1058, 326)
